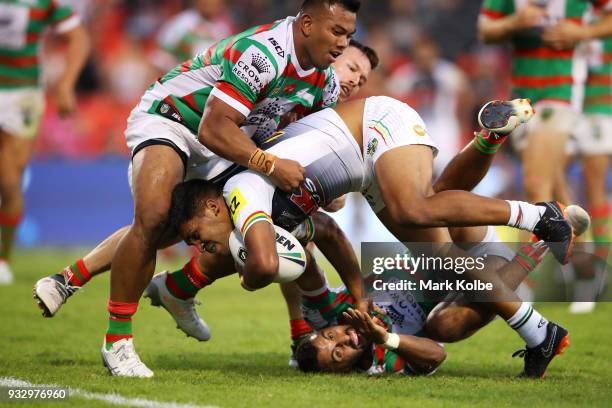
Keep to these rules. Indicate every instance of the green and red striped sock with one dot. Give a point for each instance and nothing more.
(119, 322)
(8, 228)
(487, 142)
(77, 274)
(186, 282)
(299, 328)
(600, 225)
(530, 255)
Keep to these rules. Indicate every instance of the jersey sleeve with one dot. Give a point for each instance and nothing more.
(494, 9)
(248, 196)
(62, 17)
(247, 68)
(331, 90)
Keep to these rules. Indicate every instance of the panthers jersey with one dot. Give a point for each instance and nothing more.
(22, 25)
(256, 72)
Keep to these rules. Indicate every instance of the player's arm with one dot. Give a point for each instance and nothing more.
(335, 246)
(261, 266)
(498, 24)
(69, 29)
(465, 170)
(566, 34)
(421, 354)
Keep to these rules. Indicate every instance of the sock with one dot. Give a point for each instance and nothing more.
(186, 282)
(76, 274)
(530, 255)
(487, 142)
(299, 327)
(600, 225)
(8, 227)
(529, 324)
(329, 304)
(524, 215)
(119, 322)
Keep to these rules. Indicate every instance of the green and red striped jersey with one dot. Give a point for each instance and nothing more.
(539, 72)
(598, 91)
(256, 72)
(22, 23)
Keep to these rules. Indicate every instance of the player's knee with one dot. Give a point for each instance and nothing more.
(445, 326)
(325, 227)
(410, 214)
(151, 219)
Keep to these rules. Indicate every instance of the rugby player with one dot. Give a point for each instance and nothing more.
(22, 99)
(362, 343)
(204, 119)
(353, 68)
(374, 145)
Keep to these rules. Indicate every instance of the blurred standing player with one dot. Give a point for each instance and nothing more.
(550, 72)
(22, 100)
(204, 119)
(191, 32)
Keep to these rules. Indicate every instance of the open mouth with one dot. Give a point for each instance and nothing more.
(356, 340)
(335, 54)
(346, 91)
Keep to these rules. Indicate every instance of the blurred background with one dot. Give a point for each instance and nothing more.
(76, 186)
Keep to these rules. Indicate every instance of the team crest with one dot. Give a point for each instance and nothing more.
(164, 108)
(372, 146)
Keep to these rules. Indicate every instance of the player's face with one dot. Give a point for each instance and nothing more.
(339, 348)
(353, 69)
(209, 231)
(329, 31)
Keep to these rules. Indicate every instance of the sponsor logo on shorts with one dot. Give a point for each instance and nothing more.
(372, 146)
(418, 129)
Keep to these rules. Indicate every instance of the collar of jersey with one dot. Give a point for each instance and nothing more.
(294, 59)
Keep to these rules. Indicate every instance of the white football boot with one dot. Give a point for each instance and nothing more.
(502, 117)
(6, 275)
(122, 360)
(182, 311)
(51, 293)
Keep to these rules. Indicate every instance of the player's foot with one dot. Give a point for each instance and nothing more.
(6, 275)
(538, 358)
(502, 117)
(183, 311)
(52, 292)
(582, 307)
(555, 228)
(122, 360)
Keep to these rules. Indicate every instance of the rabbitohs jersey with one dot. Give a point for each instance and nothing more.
(256, 72)
(539, 72)
(22, 24)
(404, 315)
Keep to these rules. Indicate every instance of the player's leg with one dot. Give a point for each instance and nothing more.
(15, 152)
(157, 169)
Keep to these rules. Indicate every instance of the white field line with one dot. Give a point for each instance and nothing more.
(110, 398)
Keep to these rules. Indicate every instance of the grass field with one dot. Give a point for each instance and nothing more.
(245, 363)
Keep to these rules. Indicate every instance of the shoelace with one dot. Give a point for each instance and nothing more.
(66, 290)
(134, 361)
(193, 316)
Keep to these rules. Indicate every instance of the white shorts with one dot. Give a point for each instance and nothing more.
(146, 128)
(554, 117)
(387, 124)
(21, 111)
(594, 134)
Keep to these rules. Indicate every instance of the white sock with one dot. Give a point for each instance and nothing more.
(316, 292)
(524, 215)
(529, 324)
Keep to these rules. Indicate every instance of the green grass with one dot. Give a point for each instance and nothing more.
(245, 363)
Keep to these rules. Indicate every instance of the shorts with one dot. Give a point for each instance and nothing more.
(554, 117)
(21, 111)
(146, 129)
(594, 134)
(387, 124)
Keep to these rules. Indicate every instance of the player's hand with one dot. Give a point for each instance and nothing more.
(364, 325)
(65, 99)
(288, 118)
(363, 305)
(336, 204)
(564, 35)
(287, 174)
(528, 17)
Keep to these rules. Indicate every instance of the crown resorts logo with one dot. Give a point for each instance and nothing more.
(259, 63)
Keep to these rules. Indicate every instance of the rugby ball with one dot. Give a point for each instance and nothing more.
(291, 255)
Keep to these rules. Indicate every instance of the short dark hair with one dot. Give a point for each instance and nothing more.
(306, 356)
(351, 5)
(367, 51)
(187, 198)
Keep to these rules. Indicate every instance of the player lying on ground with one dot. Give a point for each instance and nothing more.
(402, 334)
(339, 159)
